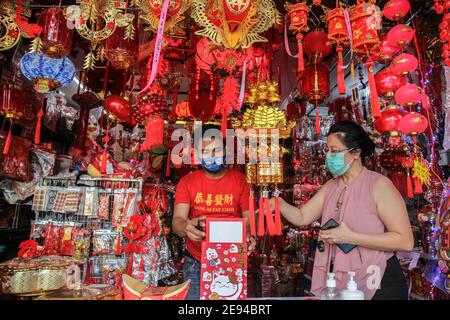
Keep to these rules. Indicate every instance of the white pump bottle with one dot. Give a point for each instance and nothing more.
(352, 292)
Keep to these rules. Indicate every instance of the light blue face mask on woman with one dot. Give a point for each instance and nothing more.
(335, 163)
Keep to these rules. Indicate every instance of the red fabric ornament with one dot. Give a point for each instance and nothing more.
(340, 71)
(236, 12)
(261, 214)
(364, 28)
(400, 35)
(122, 51)
(396, 9)
(404, 64)
(301, 60)
(398, 179)
(299, 23)
(337, 29)
(278, 227)
(118, 107)
(251, 210)
(408, 95)
(202, 95)
(37, 134)
(228, 100)
(154, 133)
(28, 249)
(387, 83)
(8, 139)
(409, 186)
(316, 82)
(56, 36)
(29, 30)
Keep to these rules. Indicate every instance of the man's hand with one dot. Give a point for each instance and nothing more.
(192, 232)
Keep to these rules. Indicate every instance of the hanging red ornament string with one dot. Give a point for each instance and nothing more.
(37, 134)
(299, 23)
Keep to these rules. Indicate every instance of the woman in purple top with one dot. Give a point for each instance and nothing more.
(371, 214)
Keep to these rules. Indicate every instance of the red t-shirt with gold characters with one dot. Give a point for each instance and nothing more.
(226, 197)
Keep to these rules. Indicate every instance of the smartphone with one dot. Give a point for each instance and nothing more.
(345, 247)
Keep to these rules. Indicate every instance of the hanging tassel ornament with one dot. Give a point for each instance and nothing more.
(251, 217)
(340, 71)
(142, 264)
(317, 119)
(37, 134)
(118, 245)
(103, 165)
(224, 124)
(352, 70)
(418, 189)
(409, 187)
(269, 218)
(278, 227)
(8, 139)
(374, 102)
(154, 133)
(301, 62)
(261, 213)
(168, 164)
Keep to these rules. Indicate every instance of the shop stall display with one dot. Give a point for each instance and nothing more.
(97, 96)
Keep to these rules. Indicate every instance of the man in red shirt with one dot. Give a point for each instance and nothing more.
(214, 191)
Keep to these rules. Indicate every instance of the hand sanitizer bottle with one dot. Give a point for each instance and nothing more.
(352, 292)
(330, 292)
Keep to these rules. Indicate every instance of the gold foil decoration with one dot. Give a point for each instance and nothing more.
(172, 22)
(10, 30)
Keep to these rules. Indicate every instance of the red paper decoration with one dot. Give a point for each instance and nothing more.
(413, 123)
(400, 35)
(202, 95)
(364, 28)
(387, 82)
(56, 36)
(389, 120)
(384, 51)
(396, 9)
(408, 95)
(316, 44)
(404, 64)
(316, 82)
(12, 107)
(121, 49)
(299, 23)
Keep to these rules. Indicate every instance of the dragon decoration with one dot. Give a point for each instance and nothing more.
(234, 23)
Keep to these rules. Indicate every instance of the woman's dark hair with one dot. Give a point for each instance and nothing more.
(353, 136)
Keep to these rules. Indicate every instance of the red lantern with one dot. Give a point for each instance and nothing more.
(413, 124)
(316, 44)
(400, 35)
(389, 120)
(387, 82)
(12, 107)
(337, 28)
(122, 49)
(384, 51)
(404, 64)
(316, 82)
(118, 107)
(299, 23)
(364, 27)
(56, 36)
(396, 9)
(408, 95)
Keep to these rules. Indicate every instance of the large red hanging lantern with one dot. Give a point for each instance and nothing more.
(122, 48)
(338, 34)
(387, 82)
(12, 107)
(389, 121)
(400, 35)
(365, 38)
(396, 9)
(408, 95)
(404, 64)
(56, 36)
(413, 124)
(299, 23)
(316, 44)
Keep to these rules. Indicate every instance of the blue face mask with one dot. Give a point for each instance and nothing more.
(335, 163)
(213, 164)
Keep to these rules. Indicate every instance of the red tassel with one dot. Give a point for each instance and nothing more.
(278, 229)
(8, 139)
(261, 231)
(154, 133)
(142, 264)
(118, 248)
(269, 218)
(251, 210)
(37, 134)
(88, 279)
(417, 186)
(409, 188)
(340, 71)
(130, 264)
(301, 62)
(317, 119)
(168, 164)
(398, 178)
(374, 102)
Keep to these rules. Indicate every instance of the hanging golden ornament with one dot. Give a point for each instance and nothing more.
(234, 23)
(98, 19)
(11, 33)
